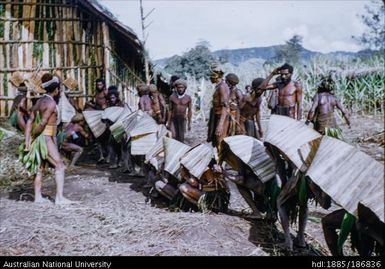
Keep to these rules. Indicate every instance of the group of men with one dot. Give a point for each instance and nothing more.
(232, 113)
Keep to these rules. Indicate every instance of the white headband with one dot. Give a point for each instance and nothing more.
(50, 82)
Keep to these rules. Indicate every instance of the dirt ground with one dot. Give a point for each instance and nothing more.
(113, 216)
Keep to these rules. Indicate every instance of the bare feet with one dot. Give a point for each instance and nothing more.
(300, 242)
(288, 245)
(113, 166)
(42, 200)
(64, 201)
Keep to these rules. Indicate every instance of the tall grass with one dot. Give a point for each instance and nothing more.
(359, 84)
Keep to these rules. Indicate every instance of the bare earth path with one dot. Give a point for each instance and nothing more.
(113, 218)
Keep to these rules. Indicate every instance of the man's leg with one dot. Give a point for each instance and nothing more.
(127, 158)
(246, 194)
(37, 186)
(55, 160)
(73, 148)
(303, 214)
(285, 222)
(330, 223)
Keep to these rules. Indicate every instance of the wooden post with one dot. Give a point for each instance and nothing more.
(107, 56)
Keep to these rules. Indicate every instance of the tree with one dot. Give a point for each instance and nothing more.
(195, 62)
(374, 19)
(290, 52)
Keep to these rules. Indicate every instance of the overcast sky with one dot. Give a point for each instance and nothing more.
(179, 25)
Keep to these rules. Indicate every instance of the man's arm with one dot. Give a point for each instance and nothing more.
(189, 114)
(224, 94)
(169, 114)
(240, 98)
(314, 106)
(141, 104)
(298, 94)
(19, 114)
(345, 113)
(82, 132)
(27, 132)
(258, 117)
(265, 84)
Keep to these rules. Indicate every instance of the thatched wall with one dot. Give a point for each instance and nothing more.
(72, 38)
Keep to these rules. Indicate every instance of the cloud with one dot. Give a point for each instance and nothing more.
(179, 25)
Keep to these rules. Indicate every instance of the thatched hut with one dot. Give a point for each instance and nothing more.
(73, 38)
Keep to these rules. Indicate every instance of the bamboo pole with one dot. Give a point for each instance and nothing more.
(37, 4)
(2, 103)
(15, 27)
(31, 32)
(107, 56)
(6, 70)
(70, 46)
(57, 38)
(45, 39)
(6, 35)
(24, 19)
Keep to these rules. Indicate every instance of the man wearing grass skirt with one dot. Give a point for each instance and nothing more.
(321, 115)
(46, 108)
(322, 109)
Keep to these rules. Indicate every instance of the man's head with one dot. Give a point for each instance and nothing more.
(153, 89)
(22, 89)
(100, 84)
(78, 118)
(173, 79)
(51, 85)
(142, 89)
(215, 74)
(286, 72)
(255, 85)
(247, 88)
(327, 84)
(180, 86)
(232, 79)
(113, 96)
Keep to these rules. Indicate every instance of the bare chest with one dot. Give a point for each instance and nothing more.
(288, 90)
(180, 101)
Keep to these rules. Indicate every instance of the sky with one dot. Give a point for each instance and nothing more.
(178, 25)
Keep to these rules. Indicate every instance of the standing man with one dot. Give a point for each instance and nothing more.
(46, 107)
(250, 111)
(144, 98)
(219, 114)
(101, 92)
(324, 104)
(180, 105)
(158, 105)
(289, 92)
(236, 98)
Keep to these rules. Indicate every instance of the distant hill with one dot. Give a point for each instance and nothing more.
(237, 56)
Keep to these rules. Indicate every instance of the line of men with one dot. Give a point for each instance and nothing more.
(232, 113)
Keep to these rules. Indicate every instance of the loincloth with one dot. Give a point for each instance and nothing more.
(285, 111)
(212, 126)
(49, 130)
(250, 128)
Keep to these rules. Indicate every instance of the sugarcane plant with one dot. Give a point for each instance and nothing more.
(37, 153)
